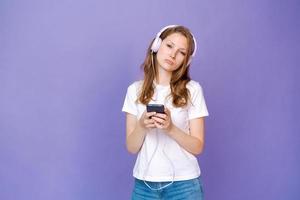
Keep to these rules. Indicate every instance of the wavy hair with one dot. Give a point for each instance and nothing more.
(180, 77)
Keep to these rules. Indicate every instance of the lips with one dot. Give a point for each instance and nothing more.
(170, 62)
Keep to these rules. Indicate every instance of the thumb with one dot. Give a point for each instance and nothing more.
(167, 111)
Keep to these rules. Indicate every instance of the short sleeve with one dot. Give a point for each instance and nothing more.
(197, 107)
(130, 105)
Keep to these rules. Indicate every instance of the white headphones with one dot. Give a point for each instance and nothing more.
(157, 42)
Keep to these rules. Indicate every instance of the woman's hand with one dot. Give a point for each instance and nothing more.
(147, 121)
(163, 121)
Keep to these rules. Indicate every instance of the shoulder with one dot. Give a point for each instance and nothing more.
(193, 86)
(136, 84)
(135, 87)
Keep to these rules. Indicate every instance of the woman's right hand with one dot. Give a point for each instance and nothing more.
(146, 121)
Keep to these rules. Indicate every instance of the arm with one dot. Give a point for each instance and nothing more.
(193, 142)
(136, 131)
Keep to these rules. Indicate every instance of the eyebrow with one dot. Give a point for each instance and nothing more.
(168, 40)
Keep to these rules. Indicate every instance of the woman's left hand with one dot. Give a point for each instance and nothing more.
(163, 121)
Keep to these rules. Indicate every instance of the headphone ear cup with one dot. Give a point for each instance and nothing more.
(156, 44)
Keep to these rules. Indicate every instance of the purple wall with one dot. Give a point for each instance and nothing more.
(65, 67)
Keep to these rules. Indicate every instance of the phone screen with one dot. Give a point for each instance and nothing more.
(159, 108)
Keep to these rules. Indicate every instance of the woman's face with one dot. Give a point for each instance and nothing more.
(172, 52)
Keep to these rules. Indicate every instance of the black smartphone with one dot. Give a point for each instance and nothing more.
(159, 108)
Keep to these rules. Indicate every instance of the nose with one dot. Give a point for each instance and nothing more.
(173, 53)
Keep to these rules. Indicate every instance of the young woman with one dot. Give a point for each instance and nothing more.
(167, 143)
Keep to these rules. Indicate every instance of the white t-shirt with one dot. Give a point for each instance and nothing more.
(160, 156)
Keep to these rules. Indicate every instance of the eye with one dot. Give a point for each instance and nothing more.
(182, 53)
(168, 45)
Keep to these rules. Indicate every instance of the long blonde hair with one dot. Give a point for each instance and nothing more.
(180, 77)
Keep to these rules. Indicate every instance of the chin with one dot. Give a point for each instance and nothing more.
(169, 68)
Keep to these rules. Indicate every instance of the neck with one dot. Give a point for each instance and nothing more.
(163, 77)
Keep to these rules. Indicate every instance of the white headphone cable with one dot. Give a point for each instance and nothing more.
(146, 171)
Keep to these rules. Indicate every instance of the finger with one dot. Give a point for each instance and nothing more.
(159, 125)
(151, 126)
(148, 121)
(150, 114)
(167, 111)
(158, 119)
(160, 115)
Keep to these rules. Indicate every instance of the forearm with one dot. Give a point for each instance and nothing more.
(135, 139)
(186, 141)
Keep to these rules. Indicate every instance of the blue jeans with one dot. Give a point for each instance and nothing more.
(184, 190)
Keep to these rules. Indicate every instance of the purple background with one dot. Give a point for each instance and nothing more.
(65, 67)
